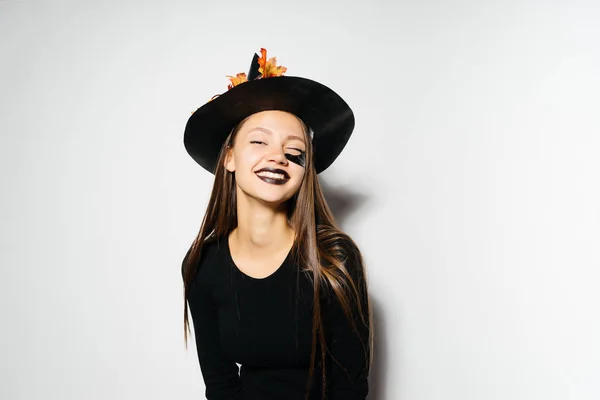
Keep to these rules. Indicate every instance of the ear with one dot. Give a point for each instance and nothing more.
(229, 160)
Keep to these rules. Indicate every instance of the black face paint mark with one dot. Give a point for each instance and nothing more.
(300, 159)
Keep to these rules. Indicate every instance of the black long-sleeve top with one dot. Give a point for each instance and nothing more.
(265, 325)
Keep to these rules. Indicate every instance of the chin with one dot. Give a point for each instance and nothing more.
(270, 194)
(275, 200)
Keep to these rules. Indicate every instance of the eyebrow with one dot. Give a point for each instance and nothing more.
(265, 130)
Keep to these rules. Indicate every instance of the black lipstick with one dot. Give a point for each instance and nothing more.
(275, 181)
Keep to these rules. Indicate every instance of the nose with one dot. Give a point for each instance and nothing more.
(278, 156)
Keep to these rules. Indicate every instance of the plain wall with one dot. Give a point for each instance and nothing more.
(470, 184)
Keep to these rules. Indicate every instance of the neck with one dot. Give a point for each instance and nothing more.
(262, 229)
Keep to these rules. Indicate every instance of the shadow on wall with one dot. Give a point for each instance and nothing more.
(343, 201)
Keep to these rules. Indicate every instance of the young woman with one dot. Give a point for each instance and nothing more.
(271, 282)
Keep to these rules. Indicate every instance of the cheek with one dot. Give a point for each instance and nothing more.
(298, 175)
(248, 158)
(246, 161)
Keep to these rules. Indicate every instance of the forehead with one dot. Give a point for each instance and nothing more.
(274, 122)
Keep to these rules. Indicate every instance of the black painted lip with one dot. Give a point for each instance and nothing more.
(275, 171)
(271, 180)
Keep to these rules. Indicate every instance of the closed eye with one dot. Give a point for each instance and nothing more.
(256, 141)
(298, 150)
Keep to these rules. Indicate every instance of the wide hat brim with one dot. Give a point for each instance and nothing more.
(323, 110)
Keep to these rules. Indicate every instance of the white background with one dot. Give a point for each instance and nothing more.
(470, 184)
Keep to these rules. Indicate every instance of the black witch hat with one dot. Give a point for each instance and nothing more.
(328, 116)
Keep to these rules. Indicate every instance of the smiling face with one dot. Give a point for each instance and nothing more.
(268, 156)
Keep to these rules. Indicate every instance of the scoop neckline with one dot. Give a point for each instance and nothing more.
(245, 275)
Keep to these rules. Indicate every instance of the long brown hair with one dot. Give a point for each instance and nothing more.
(321, 247)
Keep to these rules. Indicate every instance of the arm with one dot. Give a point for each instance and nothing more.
(348, 380)
(220, 373)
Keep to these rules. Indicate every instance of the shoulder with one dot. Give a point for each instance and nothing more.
(349, 255)
(345, 296)
(208, 252)
(343, 261)
(338, 243)
(352, 255)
